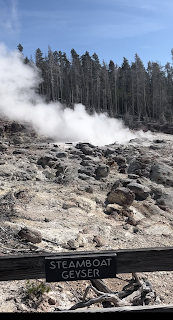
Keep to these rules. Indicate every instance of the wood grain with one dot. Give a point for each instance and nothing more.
(32, 266)
(153, 308)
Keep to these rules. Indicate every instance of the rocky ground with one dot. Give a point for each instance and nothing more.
(63, 196)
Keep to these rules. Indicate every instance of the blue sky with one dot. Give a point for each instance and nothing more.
(112, 28)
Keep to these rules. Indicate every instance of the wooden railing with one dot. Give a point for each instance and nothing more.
(32, 266)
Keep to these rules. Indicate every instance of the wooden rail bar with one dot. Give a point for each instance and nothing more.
(32, 266)
(153, 308)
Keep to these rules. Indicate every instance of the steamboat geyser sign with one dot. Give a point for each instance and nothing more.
(80, 267)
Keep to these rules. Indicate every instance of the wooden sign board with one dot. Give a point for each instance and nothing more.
(80, 267)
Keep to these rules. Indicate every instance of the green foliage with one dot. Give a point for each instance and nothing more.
(36, 288)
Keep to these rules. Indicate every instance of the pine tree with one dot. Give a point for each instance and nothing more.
(129, 91)
(86, 63)
(124, 86)
(113, 73)
(76, 90)
(96, 69)
(40, 63)
(20, 48)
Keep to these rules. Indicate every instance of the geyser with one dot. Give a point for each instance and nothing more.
(18, 101)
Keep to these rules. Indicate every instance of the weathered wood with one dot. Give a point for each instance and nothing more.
(102, 297)
(32, 266)
(145, 260)
(100, 285)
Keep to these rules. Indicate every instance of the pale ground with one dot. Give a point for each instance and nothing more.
(45, 200)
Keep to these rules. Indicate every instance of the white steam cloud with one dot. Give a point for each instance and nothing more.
(17, 94)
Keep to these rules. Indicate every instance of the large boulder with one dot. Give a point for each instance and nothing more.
(16, 127)
(165, 199)
(88, 170)
(140, 166)
(30, 235)
(86, 148)
(141, 191)
(161, 173)
(122, 196)
(46, 161)
(102, 171)
(61, 154)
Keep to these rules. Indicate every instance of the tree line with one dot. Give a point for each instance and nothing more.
(129, 91)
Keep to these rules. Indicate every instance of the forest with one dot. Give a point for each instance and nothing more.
(129, 91)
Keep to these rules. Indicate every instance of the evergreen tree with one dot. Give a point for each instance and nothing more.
(96, 69)
(20, 48)
(76, 90)
(129, 91)
(40, 63)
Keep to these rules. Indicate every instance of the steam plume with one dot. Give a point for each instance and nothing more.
(17, 94)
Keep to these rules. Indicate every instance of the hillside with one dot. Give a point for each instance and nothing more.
(82, 197)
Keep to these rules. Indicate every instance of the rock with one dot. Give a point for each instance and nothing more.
(49, 174)
(133, 176)
(120, 160)
(7, 170)
(102, 171)
(113, 207)
(61, 155)
(33, 236)
(86, 148)
(86, 163)
(141, 191)
(7, 203)
(147, 208)
(70, 174)
(16, 127)
(88, 170)
(155, 147)
(159, 141)
(69, 204)
(3, 147)
(21, 194)
(2, 161)
(18, 151)
(130, 220)
(121, 183)
(46, 161)
(122, 170)
(99, 241)
(83, 176)
(18, 140)
(73, 244)
(81, 240)
(165, 198)
(140, 166)
(109, 151)
(22, 175)
(82, 145)
(60, 169)
(156, 192)
(161, 173)
(122, 196)
(135, 229)
(51, 301)
(89, 189)
(2, 130)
